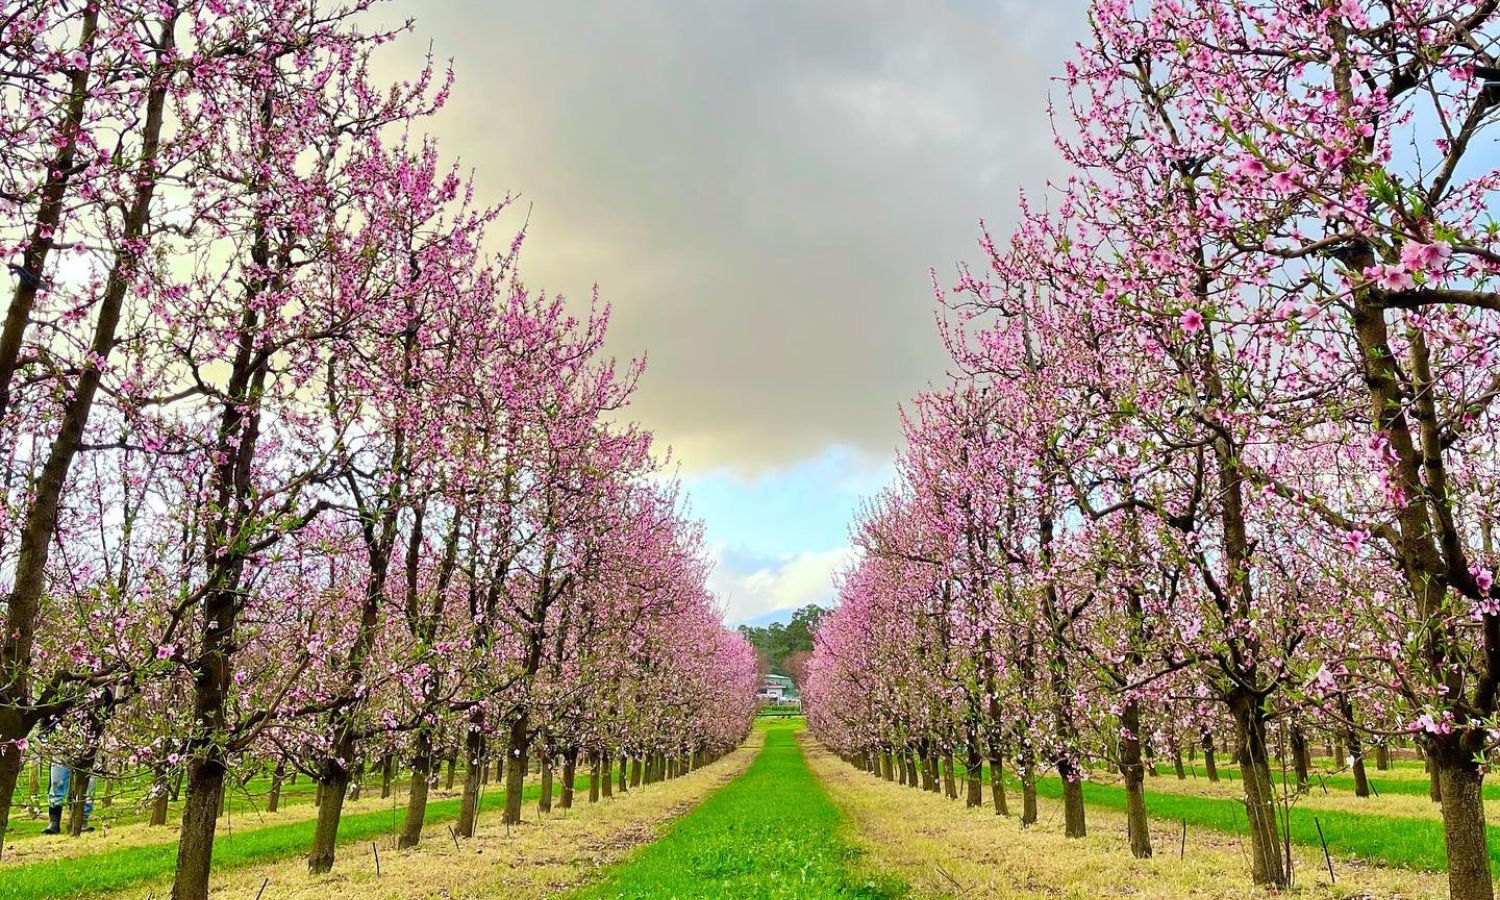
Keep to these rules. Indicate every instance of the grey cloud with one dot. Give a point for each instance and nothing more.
(758, 187)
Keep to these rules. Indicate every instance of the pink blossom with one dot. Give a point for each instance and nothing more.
(1426, 258)
(1390, 278)
(1251, 167)
(1284, 182)
(1191, 321)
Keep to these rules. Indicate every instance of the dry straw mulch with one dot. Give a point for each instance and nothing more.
(942, 849)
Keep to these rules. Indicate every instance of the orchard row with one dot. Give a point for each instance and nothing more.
(296, 474)
(1220, 454)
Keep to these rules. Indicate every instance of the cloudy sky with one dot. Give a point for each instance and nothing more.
(760, 188)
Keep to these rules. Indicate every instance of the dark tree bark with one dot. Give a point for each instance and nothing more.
(544, 803)
(1266, 862)
(423, 763)
(517, 759)
(1133, 771)
(1354, 748)
(997, 782)
(1300, 755)
(474, 766)
(273, 799)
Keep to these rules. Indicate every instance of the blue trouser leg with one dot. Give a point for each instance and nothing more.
(57, 785)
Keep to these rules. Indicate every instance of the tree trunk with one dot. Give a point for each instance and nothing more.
(1137, 825)
(606, 775)
(1383, 756)
(1075, 824)
(422, 764)
(1266, 864)
(517, 759)
(570, 769)
(635, 771)
(1028, 795)
(1461, 782)
(594, 767)
(1357, 755)
(452, 764)
(159, 804)
(335, 779)
(1177, 766)
(78, 794)
(356, 782)
(273, 799)
(35, 788)
(387, 772)
(1208, 756)
(910, 769)
(1434, 783)
(1299, 755)
(974, 773)
(950, 786)
(205, 784)
(474, 766)
(997, 783)
(545, 802)
(206, 771)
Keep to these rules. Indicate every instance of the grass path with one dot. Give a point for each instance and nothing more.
(119, 869)
(772, 832)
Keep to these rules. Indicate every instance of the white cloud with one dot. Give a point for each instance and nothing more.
(786, 583)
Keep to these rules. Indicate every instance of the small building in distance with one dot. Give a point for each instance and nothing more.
(777, 690)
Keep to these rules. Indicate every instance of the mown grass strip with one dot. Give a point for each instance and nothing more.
(129, 809)
(771, 833)
(1391, 840)
(115, 870)
(1384, 782)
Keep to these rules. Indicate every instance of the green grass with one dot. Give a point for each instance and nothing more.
(1392, 840)
(1406, 778)
(128, 808)
(772, 832)
(114, 870)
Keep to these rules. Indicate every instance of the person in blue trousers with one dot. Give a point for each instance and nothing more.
(57, 798)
